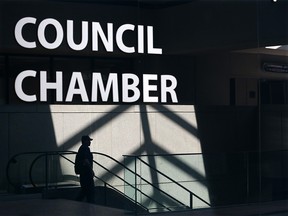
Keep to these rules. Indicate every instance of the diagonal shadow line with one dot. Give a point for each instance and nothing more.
(112, 114)
(178, 163)
(182, 166)
(145, 126)
(187, 126)
(155, 192)
(168, 202)
(148, 141)
(144, 147)
(117, 168)
(175, 118)
(147, 136)
(175, 161)
(147, 145)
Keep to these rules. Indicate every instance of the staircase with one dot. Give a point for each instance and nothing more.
(42, 172)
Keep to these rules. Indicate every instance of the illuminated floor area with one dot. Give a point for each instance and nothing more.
(61, 207)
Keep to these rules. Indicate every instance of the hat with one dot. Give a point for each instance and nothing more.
(86, 138)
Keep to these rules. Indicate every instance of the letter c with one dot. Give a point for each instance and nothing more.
(119, 39)
(18, 86)
(18, 32)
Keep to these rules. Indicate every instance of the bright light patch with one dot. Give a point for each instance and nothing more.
(273, 47)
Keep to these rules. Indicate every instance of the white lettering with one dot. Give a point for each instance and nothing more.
(19, 86)
(168, 89)
(150, 40)
(126, 87)
(100, 90)
(140, 39)
(107, 41)
(70, 36)
(72, 90)
(44, 86)
(97, 35)
(18, 32)
(119, 38)
(59, 33)
(104, 92)
(147, 88)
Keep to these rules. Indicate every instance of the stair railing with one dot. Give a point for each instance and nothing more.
(62, 154)
(191, 194)
(134, 186)
(124, 181)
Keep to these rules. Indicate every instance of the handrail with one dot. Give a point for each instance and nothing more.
(46, 154)
(177, 183)
(135, 187)
(63, 153)
(60, 154)
(13, 160)
(103, 181)
(136, 174)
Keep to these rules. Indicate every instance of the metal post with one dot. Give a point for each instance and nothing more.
(135, 166)
(105, 194)
(191, 200)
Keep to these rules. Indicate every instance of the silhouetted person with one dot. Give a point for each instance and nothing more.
(84, 161)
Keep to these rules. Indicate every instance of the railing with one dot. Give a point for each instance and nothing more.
(221, 179)
(191, 194)
(29, 159)
(217, 179)
(174, 202)
(45, 183)
(122, 179)
(47, 180)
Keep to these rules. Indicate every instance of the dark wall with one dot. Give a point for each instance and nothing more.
(194, 26)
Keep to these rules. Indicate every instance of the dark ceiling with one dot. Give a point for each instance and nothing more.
(151, 4)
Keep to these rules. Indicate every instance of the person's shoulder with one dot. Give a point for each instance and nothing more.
(81, 148)
(84, 148)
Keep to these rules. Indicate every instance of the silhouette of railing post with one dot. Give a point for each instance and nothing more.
(105, 193)
(176, 183)
(191, 200)
(135, 179)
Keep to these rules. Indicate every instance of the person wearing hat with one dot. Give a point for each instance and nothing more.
(84, 163)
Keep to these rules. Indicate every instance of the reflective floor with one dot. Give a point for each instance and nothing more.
(40, 207)
(277, 208)
(61, 207)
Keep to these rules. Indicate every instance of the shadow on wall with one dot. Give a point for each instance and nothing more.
(148, 147)
(224, 132)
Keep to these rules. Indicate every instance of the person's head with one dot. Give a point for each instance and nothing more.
(86, 140)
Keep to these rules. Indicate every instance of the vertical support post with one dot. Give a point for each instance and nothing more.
(105, 194)
(191, 200)
(135, 167)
